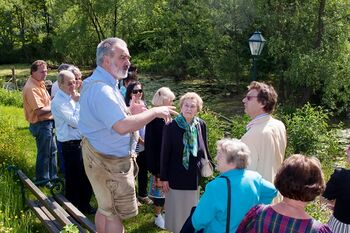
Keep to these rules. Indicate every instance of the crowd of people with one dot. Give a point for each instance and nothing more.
(110, 144)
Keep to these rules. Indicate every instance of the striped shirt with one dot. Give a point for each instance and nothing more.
(264, 219)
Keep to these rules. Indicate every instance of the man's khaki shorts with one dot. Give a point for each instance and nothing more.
(113, 182)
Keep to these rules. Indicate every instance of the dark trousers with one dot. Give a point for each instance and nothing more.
(60, 159)
(78, 188)
(142, 178)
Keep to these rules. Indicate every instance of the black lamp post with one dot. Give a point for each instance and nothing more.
(256, 45)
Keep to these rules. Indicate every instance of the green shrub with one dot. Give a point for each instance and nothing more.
(238, 126)
(11, 98)
(215, 129)
(309, 133)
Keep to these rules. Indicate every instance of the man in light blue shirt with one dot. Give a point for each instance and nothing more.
(65, 109)
(108, 130)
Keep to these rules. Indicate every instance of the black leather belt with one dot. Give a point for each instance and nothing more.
(72, 142)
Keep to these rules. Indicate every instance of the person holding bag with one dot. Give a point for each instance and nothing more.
(180, 161)
(225, 202)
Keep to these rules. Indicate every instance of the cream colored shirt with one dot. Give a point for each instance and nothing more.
(267, 142)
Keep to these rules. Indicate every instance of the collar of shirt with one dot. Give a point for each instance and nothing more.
(38, 83)
(258, 117)
(64, 95)
(107, 78)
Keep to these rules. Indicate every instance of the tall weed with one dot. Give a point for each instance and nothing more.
(13, 217)
(15, 148)
(12, 143)
(11, 98)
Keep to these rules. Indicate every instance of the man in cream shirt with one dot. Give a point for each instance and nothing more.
(265, 136)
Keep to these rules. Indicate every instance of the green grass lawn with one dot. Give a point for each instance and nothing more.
(21, 69)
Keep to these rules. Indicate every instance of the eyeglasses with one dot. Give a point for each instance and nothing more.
(249, 97)
(137, 91)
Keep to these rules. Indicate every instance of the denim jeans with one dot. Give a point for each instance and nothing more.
(46, 165)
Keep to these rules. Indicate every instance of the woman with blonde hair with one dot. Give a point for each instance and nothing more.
(153, 142)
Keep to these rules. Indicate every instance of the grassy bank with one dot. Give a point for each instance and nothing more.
(16, 148)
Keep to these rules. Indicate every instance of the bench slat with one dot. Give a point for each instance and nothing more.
(67, 215)
(72, 210)
(43, 199)
(39, 212)
(55, 212)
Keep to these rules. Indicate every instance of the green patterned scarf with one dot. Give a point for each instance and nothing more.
(189, 139)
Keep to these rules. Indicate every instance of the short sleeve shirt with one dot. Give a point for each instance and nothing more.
(101, 106)
(35, 96)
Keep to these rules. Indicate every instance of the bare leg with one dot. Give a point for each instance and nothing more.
(100, 221)
(108, 225)
(158, 210)
(114, 225)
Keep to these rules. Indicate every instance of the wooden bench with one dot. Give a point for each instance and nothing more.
(54, 211)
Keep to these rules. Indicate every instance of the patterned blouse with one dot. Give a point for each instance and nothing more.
(264, 219)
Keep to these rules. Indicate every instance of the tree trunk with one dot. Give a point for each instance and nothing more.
(320, 24)
(47, 20)
(115, 19)
(87, 6)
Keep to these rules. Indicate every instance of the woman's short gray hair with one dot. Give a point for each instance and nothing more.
(192, 95)
(235, 151)
(75, 70)
(161, 95)
(106, 48)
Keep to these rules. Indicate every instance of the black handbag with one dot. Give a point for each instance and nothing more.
(188, 226)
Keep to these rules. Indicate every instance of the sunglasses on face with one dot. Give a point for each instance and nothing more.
(249, 97)
(137, 91)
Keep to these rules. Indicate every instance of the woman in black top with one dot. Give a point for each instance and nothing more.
(180, 156)
(338, 195)
(153, 142)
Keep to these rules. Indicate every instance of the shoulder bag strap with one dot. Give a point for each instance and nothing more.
(201, 141)
(228, 203)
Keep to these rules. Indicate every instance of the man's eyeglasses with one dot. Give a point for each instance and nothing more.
(137, 91)
(249, 97)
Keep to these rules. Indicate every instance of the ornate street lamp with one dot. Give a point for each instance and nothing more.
(256, 45)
